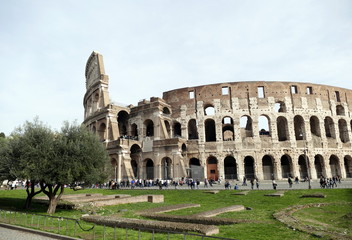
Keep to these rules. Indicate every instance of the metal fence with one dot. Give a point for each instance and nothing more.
(81, 229)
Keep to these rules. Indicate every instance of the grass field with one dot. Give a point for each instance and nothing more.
(335, 217)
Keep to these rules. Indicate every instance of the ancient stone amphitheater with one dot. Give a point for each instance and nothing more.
(268, 130)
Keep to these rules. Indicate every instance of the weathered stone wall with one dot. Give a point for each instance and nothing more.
(227, 130)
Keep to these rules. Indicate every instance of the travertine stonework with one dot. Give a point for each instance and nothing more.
(267, 130)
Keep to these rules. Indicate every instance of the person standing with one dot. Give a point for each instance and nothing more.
(274, 184)
(257, 183)
(290, 182)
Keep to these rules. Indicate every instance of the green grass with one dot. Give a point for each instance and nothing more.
(264, 226)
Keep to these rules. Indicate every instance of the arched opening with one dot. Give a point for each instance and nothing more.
(264, 125)
(282, 129)
(122, 120)
(249, 167)
(167, 126)
(334, 166)
(343, 130)
(101, 131)
(195, 170)
(286, 166)
(227, 129)
(135, 155)
(212, 168)
(183, 150)
(329, 128)
(300, 132)
(302, 162)
(348, 166)
(319, 164)
(314, 126)
(134, 131)
(177, 130)
(149, 128)
(209, 110)
(268, 167)
(246, 125)
(166, 168)
(230, 166)
(280, 107)
(340, 110)
(210, 134)
(166, 111)
(94, 129)
(192, 129)
(149, 165)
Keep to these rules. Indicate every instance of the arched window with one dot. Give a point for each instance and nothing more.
(177, 129)
(343, 130)
(230, 166)
(300, 132)
(319, 166)
(264, 125)
(280, 107)
(166, 168)
(134, 131)
(167, 126)
(314, 126)
(286, 166)
(227, 129)
(122, 119)
(329, 128)
(210, 133)
(209, 110)
(149, 128)
(101, 131)
(334, 166)
(249, 167)
(340, 110)
(282, 128)
(149, 165)
(192, 129)
(268, 168)
(166, 111)
(246, 125)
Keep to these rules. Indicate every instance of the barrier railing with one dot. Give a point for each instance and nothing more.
(80, 229)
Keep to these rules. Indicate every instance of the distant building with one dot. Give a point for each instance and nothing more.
(268, 130)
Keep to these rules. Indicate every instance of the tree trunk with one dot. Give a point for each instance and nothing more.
(30, 195)
(53, 201)
(52, 205)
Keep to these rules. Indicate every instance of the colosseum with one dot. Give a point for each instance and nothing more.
(268, 130)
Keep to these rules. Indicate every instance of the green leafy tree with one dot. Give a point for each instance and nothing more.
(80, 157)
(5, 163)
(54, 160)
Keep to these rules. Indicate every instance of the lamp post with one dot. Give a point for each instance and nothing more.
(307, 164)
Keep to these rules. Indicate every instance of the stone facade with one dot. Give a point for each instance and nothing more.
(227, 130)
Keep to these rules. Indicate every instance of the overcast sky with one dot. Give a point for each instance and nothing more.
(150, 47)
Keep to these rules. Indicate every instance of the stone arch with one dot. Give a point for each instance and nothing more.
(94, 129)
(280, 106)
(286, 166)
(135, 155)
(209, 110)
(282, 128)
(149, 128)
(230, 166)
(343, 131)
(334, 163)
(303, 169)
(166, 111)
(101, 131)
(314, 126)
(149, 168)
(122, 120)
(249, 167)
(348, 166)
(340, 110)
(177, 129)
(166, 167)
(268, 167)
(210, 131)
(329, 128)
(134, 131)
(319, 166)
(192, 129)
(300, 131)
(227, 129)
(212, 168)
(183, 150)
(246, 125)
(264, 125)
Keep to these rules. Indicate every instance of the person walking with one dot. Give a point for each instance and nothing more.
(274, 184)
(290, 182)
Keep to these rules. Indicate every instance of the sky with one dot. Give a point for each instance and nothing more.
(153, 46)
